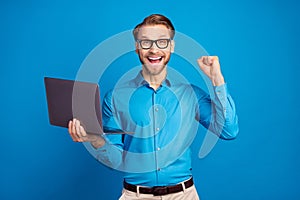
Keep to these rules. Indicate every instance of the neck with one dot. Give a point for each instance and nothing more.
(154, 80)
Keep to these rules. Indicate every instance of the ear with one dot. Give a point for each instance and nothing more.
(137, 47)
(172, 46)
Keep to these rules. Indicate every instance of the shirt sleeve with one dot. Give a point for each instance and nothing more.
(217, 112)
(111, 153)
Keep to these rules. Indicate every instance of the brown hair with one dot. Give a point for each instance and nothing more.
(155, 19)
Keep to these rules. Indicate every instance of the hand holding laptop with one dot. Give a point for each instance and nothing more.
(70, 101)
(78, 134)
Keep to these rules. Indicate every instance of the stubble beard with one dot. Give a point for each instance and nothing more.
(160, 69)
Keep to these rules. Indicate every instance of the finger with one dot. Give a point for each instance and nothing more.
(214, 59)
(70, 129)
(203, 60)
(208, 60)
(73, 126)
(77, 125)
(70, 126)
(72, 134)
(79, 139)
(200, 60)
(76, 138)
(82, 131)
(76, 132)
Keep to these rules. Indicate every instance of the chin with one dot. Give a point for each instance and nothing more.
(154, 69)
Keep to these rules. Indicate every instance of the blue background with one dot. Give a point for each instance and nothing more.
(258, 45)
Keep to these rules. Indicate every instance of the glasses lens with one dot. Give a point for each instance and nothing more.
(146, 44)
(162, 43)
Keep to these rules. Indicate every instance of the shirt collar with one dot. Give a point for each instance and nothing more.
(139, 80)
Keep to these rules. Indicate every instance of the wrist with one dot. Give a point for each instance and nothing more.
(218, 80)
(98, 142)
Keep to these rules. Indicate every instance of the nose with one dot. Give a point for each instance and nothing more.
(154, 47)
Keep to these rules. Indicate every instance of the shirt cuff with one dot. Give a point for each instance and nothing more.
(221, 94)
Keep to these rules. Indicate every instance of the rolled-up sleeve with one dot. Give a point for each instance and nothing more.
(109, 154)
(218, 113)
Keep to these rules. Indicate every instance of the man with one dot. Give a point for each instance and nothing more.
(158, 113)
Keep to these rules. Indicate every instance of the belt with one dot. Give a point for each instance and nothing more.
(159, 190)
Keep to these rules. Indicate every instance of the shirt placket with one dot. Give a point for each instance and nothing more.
(156, 130)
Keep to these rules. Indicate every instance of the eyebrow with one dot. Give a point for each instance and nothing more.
(160, 37)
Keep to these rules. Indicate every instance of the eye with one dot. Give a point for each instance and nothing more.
(145, 42)
(162, 42)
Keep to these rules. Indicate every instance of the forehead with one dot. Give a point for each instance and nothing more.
(153, 32)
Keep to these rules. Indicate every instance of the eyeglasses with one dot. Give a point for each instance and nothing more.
(160, 43)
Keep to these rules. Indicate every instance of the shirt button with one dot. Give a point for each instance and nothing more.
(158, 169)
(157, 129)
(158, 148)
(156, 109)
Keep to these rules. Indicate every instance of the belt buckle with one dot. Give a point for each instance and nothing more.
(160, 190)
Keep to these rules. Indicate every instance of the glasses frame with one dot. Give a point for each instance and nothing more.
(154, 41)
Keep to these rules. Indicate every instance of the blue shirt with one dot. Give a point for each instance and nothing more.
(158, 127)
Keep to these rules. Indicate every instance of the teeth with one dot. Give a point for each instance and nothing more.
(155, 58)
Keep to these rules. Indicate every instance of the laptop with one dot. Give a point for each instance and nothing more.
(68, 99)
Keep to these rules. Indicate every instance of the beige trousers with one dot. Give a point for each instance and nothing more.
(188, 194)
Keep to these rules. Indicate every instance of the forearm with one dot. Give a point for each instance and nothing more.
(98, 143)
(217, 79)
(225, 121)
(107, 153)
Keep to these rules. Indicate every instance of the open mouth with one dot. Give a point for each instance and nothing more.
(154, 60)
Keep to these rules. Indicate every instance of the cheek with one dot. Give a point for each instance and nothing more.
(142, 53)
(167, 54)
